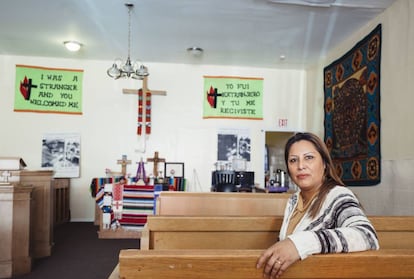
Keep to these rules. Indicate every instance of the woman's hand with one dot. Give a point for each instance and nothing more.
(278, 258)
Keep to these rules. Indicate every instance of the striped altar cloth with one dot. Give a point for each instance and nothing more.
(138, 203)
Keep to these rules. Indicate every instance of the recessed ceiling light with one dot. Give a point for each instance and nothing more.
(196, 51)
(72, 45)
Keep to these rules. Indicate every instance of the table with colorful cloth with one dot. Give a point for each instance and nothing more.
(136, 202)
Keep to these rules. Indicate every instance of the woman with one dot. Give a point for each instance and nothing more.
(323, 216)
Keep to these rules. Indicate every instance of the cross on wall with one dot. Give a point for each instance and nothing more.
(144, 101)
(145, 89)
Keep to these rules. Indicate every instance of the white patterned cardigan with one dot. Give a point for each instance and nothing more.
(340, 226)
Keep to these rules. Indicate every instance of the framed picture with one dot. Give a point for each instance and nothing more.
(61, 153)
(175, 169)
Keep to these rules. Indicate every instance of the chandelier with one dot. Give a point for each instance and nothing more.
(136, 70)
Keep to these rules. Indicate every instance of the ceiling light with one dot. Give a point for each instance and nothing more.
(128, 69)
(195, 51)
(72, 45)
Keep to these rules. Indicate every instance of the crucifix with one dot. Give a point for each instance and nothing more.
(156, 160)
(124, 162)
(144, 101)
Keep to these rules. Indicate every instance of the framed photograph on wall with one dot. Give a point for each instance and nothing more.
(175, 169)
(61, 153)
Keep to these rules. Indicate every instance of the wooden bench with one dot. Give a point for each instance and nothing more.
(394, 232)
(220, 204)
(251, 232)
(228, 247)
(241, 264)
(214, 204)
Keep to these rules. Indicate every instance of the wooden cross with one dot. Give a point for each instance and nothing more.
(156, 160)
(124, 162)
(144, 119)
(145, 89)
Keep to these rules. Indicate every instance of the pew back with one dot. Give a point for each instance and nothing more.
(394, 232)
(220, 204)
(205, 236)
(221, 232)
(251, 232)
(241, 264)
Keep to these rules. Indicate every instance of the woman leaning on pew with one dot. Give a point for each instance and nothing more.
(323, 216)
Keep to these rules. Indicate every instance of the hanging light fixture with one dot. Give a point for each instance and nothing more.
(136, 70)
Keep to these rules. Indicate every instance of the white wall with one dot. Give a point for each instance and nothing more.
(394, 195)
(108, 124)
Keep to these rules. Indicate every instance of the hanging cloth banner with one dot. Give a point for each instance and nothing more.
(117, 199)
(233, 97)
(140, 116)
(48, 90)
(141, 119)
(148, 113)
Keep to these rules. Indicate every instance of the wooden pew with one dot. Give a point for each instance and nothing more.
(394, 232)
(216, 204)
(241, 264)
(221, 204)
(251, 232)
(169, 240)
(228, 247)
(213, 204)
(193, 232)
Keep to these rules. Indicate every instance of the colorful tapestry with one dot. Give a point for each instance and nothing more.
(352, 112)
(137, 204)
(98, 183)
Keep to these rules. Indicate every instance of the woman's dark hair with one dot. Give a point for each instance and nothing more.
(330, 177)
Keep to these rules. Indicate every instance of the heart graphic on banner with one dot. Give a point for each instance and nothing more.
(25, 89)
(211, 98)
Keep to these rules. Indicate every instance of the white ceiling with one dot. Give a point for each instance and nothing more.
(231, 32)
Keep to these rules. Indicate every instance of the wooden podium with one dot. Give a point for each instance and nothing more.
(42, 210)
(14, 230)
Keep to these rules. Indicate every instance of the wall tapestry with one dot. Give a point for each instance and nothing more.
(352, 112)
(48, 90)
(233, 97)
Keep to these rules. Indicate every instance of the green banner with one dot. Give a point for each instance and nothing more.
(48, 90)
(233, 97)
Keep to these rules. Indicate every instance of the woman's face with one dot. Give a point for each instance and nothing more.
(305, 165)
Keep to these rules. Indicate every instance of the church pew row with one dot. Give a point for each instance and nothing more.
(220, 204)
(247, 222)
(241, 264)
(216, 204)
(228, 247)
(251, 232)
